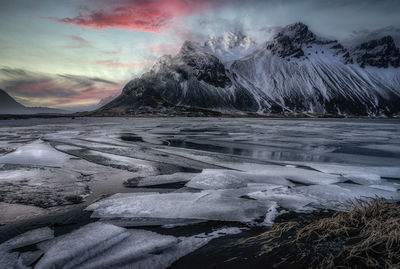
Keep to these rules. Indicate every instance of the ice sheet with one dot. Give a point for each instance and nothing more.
(36, 153)
(335, 196)
(354, 170)
(43, 187)
(184, 247)
(159, 180)
(28, 238)
(80, 245)
(88, 248)
(8, 260)
(204, 205)
(131, 249)
(210, 179)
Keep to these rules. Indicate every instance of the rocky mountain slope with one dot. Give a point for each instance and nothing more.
(296, 71)
(9, 106)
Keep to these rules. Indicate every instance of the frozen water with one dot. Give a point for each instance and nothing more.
(35, 153)
(131, 249)
(29, 257)
(28, 238)
(80, 245)
(227, 179)
(204, 205)
(99, 245)
(371, 172)
(185, 246)
(159, 180)
(246, 170)
(43, 187)
(8, 260)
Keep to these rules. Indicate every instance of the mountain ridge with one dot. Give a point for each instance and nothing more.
(295, 72)
(9, 105)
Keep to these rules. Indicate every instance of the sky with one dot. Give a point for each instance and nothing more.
(70, 54)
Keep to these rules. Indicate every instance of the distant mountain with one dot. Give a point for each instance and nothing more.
(296, 71)
(9, 106)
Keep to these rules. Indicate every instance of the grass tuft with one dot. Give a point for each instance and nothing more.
(367, 236)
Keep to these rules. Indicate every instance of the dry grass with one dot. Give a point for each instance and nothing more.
(368, 236)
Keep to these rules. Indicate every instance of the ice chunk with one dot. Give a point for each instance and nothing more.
(271, 214)
(67, 147)
(285, 197)
(140, 249)
(382, 171)
(159, 180)
(36, 153)
(204, 205)
(28, 258)
(81, 245)
(12, 175)
(229, 179)
(28, 238)
(298, 175)
(363, 178)
(138, 244)
(123, 161)
(339, 196)
(384, 187)
(184, 247)
(8, 260)
(43, 187)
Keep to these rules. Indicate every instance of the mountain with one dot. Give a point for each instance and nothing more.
(295, 71)
(9, 106)
(230, 46)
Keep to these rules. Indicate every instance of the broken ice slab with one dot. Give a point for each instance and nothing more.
(210, 179)
(99, 245)
(369, 173)
(36, 153)
(294, 174)
(138, 244)
(159, 180)
(81, 245)
(29, 257)
(28, 238)
(186, 245)
(43, 187)
(204, 205)
(335, 196)
(8, 260)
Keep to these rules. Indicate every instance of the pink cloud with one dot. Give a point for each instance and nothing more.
(140, 15)
(78, 42)
(38, 89)
(118, 64)
(164, 49)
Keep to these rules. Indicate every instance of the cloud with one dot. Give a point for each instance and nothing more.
(78, 42)
(117, 51)
(118, 64)
(362, 35)
(61, 91)
(159, 50)
(139, 15)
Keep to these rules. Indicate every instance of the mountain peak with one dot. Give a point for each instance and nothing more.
(379, 53)
(297, 32)
(189, 47)
(230, 46)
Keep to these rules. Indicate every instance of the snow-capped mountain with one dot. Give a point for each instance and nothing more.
(230, 46)
(296, 71)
